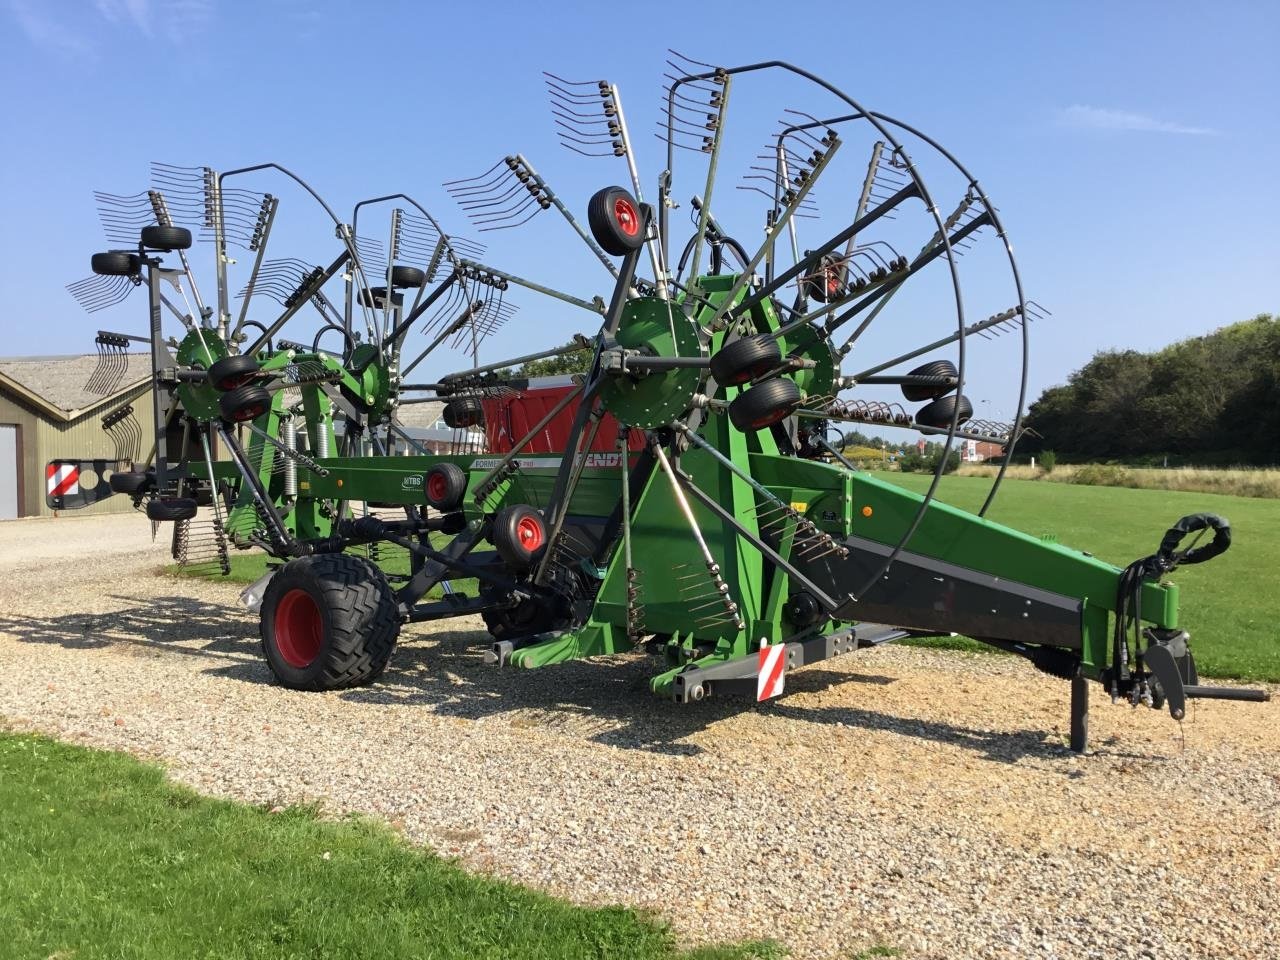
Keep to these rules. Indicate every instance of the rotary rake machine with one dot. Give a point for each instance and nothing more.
(684, 493)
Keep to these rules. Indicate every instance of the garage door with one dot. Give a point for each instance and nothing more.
(8, 471)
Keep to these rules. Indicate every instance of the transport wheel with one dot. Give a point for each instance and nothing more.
(131, 481)
(158, 237)
(764, 404)
(244, 403)
(937, 368)
(407, 277)
(614, 218)
(462, 412)
(116, 263)
(164, 509)
(231, 372)
(329, 621)
(743, 360)
(446, 485)
(939, 413)
(519, 535)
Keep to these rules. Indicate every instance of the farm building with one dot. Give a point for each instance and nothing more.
(54, 407)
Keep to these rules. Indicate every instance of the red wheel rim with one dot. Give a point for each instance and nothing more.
(437, 487)
(624, 212)
(230, 383)
(250, 413)
(769, 419)
(529, 533)
(299, 628)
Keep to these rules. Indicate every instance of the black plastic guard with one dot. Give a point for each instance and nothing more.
(930, 595)
(65, 486)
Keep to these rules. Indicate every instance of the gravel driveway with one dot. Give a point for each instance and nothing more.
(922, 800)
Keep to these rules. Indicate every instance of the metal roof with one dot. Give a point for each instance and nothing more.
(57, 383)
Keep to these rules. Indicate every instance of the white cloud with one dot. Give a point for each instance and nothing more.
(46, 32)
(1099, 118)
(54, 28)
(137, 12)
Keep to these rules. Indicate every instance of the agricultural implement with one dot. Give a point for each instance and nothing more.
(687, 491)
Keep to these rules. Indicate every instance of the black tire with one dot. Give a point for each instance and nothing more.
(407, 277)
(743, 360)
(329, 621)
(164, 509)
(231, 372)
(244, 403)
(157, 237)
(131, 482)
(616, 221)
(519, 535)
(935, 368)
(116, 263)
(764, 404)
(445, 487)
(462, 412)
(375, 298)
(939, 413)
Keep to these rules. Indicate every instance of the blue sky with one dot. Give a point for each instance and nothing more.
(1131, 148)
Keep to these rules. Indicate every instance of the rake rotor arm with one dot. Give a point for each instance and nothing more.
(400, 330)
(973, 328)
(916, 266)
(578, 343)
(595, 306)
(304, 296)
(814, 258)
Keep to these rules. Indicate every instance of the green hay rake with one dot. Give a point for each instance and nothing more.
(699, 506)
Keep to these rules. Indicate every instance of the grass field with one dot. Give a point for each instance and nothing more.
(102, 858)
(1233, 481)
(1231, 604)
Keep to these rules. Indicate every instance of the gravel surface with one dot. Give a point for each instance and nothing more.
(917, 799)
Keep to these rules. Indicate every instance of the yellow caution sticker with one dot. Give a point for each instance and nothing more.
(799, 506)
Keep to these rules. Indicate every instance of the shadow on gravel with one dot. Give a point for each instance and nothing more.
(175, 624)
(605, 701)
(608, 701)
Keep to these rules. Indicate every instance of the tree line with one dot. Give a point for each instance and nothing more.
(1211, 400)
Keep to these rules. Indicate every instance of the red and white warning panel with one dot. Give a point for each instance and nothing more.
(773, 670)
(62, 479)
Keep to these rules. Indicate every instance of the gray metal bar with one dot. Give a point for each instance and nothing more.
(595, 307)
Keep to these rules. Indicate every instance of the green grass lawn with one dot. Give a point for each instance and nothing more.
(1231, 604)
(101, 857)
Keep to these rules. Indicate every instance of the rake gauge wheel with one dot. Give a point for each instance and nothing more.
(519, 535)
(164, 509)
(131, 482)
(116, 263)
(402, 276)
(445, 487)
(329, 621)
(232, 372)
(940, 413)
(937, 368)
(616, 221)
(463, 412)
(743, 360)
(764, 405)
(244, 403)
(159, 237)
